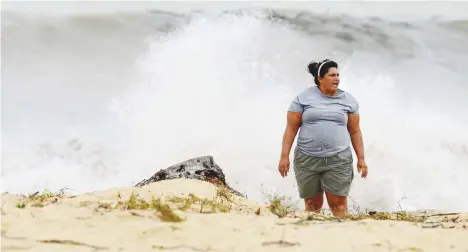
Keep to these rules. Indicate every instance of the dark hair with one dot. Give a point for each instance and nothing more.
(314, 67)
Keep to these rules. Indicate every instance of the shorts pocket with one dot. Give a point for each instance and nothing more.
(305, 162)
(343, 157)
(347, 155)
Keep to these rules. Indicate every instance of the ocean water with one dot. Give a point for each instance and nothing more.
(99, 96)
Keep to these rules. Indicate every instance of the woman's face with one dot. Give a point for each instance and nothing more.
(331, 80)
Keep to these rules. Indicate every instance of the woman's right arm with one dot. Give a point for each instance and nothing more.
(293, 124)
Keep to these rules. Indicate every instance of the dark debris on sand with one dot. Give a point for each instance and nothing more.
(201, 168)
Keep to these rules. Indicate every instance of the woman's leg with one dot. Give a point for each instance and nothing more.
(336, 181)
(315, 203)
(308, 180)
(338, 204)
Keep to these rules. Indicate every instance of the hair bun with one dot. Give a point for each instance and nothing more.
(313, 68)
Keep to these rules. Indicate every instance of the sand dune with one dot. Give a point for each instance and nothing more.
(203, 217)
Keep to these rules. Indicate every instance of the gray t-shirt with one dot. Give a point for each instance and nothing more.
(323, 131)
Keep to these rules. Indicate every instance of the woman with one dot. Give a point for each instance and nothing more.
(328, 118)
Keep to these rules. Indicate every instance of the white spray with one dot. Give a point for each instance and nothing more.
(221, 86)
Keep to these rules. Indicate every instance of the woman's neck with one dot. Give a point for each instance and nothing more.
(328, 92)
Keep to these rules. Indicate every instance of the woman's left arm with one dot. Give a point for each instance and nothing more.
(357, 142)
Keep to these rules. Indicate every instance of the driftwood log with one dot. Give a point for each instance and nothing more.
(201, 168)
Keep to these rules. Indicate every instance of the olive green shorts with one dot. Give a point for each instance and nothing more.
(318, 174)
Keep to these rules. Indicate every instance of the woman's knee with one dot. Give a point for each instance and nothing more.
(337, 203)
(314, 203)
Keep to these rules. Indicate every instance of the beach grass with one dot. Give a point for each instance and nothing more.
(166, 207)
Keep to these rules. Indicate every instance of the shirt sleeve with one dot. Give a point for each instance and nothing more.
(354, 106)
(296, 106)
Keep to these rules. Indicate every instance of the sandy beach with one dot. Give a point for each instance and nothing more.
(193, 215)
